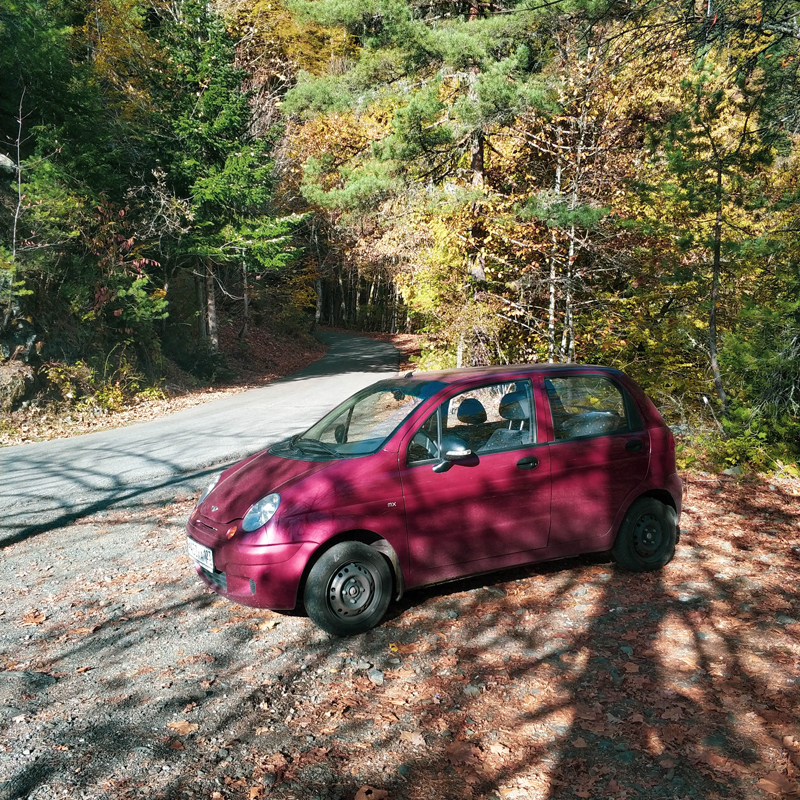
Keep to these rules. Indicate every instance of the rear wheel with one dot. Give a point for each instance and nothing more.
(348, 589)
(646, 539)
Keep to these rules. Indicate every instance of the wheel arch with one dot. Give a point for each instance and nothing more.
(370, 538)
(663, 496)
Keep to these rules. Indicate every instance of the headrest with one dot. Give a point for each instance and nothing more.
(514, 405)
(471, 412)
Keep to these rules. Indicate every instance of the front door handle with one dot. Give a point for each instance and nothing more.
(528, 463)
(634, 445)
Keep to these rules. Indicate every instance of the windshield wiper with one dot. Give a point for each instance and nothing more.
(297, 442)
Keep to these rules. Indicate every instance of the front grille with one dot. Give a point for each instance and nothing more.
(205, 526)
(217, 578)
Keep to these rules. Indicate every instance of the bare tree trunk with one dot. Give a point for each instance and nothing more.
(551, 311)
(343, 306)
(318, 290)
(551, 316)
(18, 209)
(357, 295)
(371, 303)
(567, 344)
(395, 308)
(245, 302)
(477, 162)
(199, 286)
(211, 309)
(712, 313)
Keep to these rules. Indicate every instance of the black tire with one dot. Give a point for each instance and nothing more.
(348, 589)
(646, 539)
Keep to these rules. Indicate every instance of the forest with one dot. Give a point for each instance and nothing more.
(597, 181)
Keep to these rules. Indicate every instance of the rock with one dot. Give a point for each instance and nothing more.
(16, 382)
(376, 677)
(737, 470)
(7, 714)
(17, 339)
(471, 690)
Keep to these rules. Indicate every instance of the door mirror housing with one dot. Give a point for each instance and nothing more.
(453, 450)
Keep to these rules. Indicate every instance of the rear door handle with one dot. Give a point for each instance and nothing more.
(528, 463)
(634, 445)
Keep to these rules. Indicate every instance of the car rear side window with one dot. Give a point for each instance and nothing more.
(587, 405)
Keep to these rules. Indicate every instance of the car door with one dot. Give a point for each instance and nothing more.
(488, 510)
(599, 454)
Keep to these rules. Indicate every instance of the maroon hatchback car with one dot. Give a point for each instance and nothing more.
(437, 476)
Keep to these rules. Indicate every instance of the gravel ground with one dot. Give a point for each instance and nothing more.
(121, 676)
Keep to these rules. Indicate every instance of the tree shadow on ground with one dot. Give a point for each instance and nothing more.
(568, 679)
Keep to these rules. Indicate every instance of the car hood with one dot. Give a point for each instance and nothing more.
(248, 481)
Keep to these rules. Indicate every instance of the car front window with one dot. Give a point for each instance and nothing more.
(362, 424)
(490, 418)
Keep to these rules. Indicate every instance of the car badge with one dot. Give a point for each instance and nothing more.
(215, 508)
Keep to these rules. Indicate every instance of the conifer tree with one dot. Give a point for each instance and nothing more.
(213, 156)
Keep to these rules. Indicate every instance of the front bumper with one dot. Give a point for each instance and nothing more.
(259, 575)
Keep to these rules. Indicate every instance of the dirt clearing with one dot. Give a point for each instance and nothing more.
(122, 677)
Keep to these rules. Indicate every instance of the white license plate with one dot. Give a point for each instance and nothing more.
(203, 555)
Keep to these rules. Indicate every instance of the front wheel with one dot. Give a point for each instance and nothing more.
(646, 539)
(348, 589)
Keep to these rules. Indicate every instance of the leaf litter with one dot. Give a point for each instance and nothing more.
(563, 680)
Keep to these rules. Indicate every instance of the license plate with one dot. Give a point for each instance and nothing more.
(203, 555)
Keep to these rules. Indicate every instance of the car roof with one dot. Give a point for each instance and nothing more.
(467, 373)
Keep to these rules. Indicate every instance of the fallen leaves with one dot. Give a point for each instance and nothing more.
(413, 738)
(580, 743)
(32, 617)
(183, 727)
(462, 752)
(370, 793)
(776, 783)
(199, 658)
(673, 713)
(639, 680)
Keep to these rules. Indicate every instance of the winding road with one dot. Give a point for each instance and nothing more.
(47, 484)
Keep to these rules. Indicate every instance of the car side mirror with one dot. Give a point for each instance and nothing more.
(453, 449)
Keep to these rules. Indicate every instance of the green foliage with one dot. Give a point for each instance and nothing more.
(761, 356)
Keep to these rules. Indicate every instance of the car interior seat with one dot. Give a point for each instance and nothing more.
(515, 407)
(472, 415)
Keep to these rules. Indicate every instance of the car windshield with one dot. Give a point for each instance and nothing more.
(361, 424)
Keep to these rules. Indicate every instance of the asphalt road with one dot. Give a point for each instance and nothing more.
(47, 484)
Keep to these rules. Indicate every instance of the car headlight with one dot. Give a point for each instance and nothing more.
(207, 491)
(261, 513)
